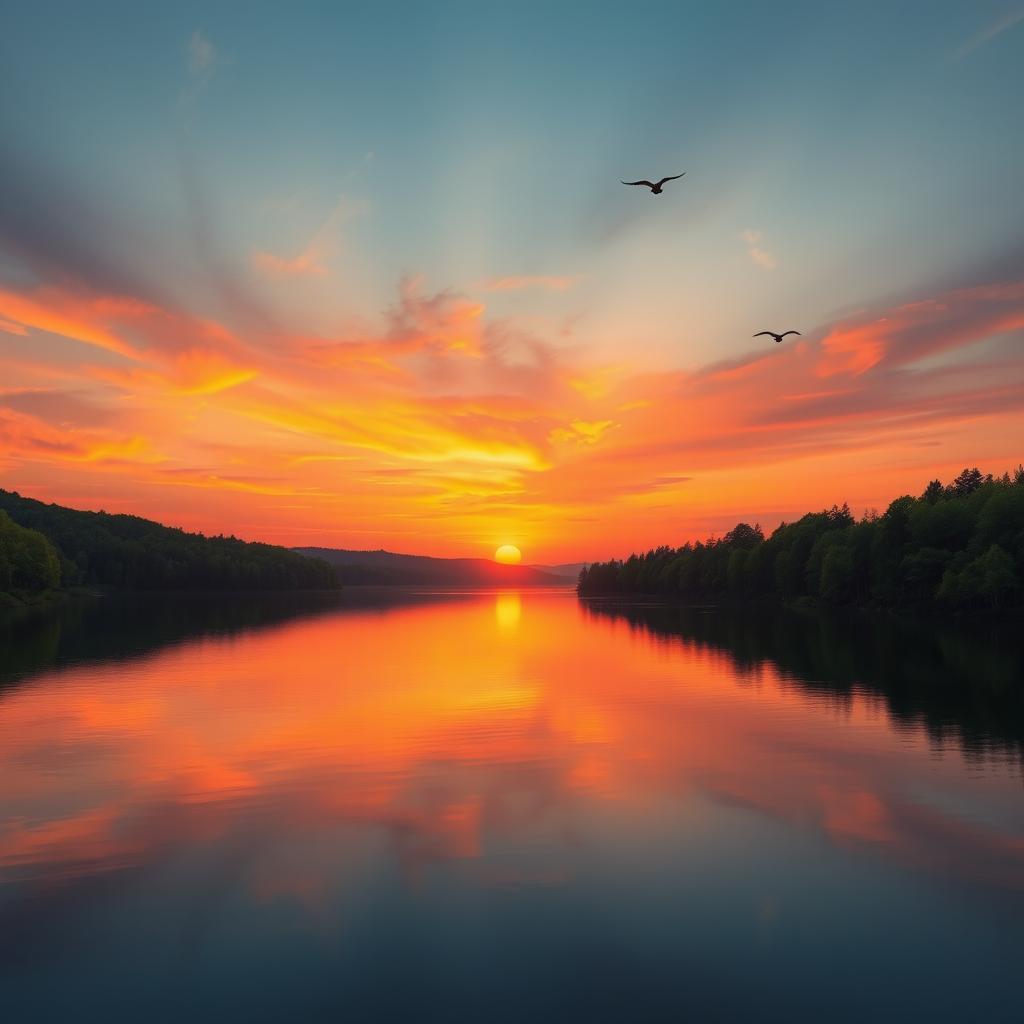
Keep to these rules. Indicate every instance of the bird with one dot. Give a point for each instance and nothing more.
(777, 337)
(654, 186)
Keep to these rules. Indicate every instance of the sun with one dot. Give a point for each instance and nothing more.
(508, 554)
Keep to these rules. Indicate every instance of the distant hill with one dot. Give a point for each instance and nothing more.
(127, 552)
(387, 567)
(568, 570)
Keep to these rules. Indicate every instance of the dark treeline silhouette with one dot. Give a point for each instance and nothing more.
(29, 563)
(959, 546)
(121, 551)
(961, 684)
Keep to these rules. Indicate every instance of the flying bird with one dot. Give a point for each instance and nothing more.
(777, 337)
(654, 186)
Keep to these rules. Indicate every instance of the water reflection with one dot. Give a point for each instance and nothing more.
(434, 789)
(126, 625)
(508, 610)
(961, 681)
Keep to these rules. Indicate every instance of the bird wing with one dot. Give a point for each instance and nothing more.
(671, 178)
(649, 184)
(791, 332)
(765, 334)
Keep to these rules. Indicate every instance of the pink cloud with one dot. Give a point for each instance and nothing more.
(305, 264)
(546, 282)
(756, 251)
(312, 260)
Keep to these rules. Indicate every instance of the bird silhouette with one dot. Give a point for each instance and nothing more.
(654, 186)
(777, 337)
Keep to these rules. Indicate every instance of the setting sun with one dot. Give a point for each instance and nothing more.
(508, 554)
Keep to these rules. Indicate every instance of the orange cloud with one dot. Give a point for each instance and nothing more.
(913, 331)
(81, 319)
(853, 350)
(582, 432)
(441, 427)
(12, 328)
(192, 372)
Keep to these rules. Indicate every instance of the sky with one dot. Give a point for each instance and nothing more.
(366, 278)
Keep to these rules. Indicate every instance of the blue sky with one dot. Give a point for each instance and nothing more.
(482, 138)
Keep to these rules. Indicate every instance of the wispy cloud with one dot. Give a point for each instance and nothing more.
(761, 256)
(202, 54)
(520, 282)
(313, 259)
(202, 59)
(989, 33)
(11, 328)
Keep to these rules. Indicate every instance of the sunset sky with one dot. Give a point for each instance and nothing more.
(366, 277)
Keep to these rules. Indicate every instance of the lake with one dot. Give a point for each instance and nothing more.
(506, 807)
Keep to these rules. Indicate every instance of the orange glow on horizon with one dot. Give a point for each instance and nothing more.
(444, 427)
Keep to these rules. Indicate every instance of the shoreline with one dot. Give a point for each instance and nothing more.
(807, 605)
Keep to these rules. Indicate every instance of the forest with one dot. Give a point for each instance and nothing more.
(29, 563)
(45, 547)
(956, 546)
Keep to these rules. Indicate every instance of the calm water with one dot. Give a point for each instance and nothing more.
(506, 807)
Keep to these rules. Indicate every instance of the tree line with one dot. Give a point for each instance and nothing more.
(957, 546)
(43, 547)
(29, 563)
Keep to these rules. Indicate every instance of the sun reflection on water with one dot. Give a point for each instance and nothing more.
(508, 610)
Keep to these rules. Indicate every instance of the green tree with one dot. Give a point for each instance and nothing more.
(29, 563)
(967, 483)
(988, 580)
(961, 545)
(126, 551)
(837, 574)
